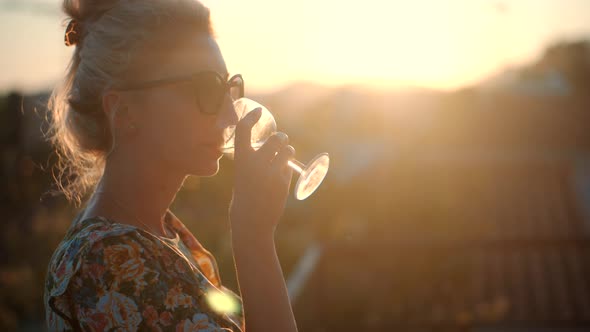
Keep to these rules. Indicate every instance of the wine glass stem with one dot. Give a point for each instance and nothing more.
(296, 165)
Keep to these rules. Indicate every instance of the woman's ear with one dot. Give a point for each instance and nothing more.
(117, 112)
(110, 99)
(123, 118)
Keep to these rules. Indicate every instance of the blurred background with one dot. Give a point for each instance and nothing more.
(458, 197)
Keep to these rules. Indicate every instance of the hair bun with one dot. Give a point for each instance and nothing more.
(73, 33)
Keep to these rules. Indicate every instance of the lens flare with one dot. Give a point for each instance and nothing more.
(222, 302)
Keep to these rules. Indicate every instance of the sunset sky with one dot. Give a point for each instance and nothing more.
(435, 44)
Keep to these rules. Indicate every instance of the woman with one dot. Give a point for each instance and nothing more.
(143, 105)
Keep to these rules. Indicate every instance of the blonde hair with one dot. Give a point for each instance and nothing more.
(111, 33)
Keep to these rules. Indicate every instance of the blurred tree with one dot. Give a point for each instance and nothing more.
(570, 59)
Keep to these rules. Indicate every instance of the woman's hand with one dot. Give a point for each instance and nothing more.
(262, 180)
(261, 187)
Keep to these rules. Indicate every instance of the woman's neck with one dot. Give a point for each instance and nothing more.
(135, 194)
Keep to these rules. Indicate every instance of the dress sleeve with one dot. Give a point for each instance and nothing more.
(124, 283)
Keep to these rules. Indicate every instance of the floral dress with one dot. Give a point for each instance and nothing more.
(108, 276)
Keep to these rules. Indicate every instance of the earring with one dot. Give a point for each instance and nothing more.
(132, 128)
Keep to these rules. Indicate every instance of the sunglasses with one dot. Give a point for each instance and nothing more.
(209, 88)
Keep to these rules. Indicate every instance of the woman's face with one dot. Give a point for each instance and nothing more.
(173, 131)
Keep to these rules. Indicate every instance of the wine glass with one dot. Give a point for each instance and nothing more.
(310, 175)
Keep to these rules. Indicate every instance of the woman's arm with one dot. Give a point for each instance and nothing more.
(262, 181)
(264, 293)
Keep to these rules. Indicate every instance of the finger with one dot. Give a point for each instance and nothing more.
(244, 131)
(273, 145)
(279, 164)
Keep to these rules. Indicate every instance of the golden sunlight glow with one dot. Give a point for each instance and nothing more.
(221, 302)
(437, 44)
(434, 44)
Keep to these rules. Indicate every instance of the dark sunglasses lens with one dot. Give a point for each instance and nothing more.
(210, 90)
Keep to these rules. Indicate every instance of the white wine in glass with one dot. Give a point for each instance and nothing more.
(310, 175)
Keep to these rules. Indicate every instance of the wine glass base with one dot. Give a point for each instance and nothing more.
(312, 176)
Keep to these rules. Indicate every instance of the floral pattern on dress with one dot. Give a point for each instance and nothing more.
(107, 276)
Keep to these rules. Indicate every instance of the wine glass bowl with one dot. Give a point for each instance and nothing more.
(261, 131)
(311, 175)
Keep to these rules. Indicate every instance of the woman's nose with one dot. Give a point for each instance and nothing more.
(227, 114)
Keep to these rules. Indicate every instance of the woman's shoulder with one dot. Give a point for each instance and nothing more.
(84, 234)
(85, 238)
(101, 263)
